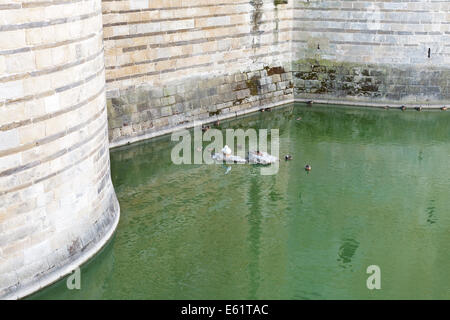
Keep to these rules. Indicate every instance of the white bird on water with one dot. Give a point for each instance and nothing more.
(226, 151)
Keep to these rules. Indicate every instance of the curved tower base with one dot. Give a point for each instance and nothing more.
(57, 201)
(103, 230)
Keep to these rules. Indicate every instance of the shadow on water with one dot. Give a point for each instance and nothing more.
(431, 217)
(254, 233)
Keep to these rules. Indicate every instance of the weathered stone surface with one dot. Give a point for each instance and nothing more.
(327, 79)
(373, 51)
(57, 202)
(211, 97)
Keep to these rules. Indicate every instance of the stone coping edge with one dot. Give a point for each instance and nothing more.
(126, 141)
(374, 104)
(130, 140)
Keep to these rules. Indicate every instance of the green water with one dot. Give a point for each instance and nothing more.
(378, 194)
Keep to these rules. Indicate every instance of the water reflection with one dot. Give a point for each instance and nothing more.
(431, 218)
(254, 233)
(380, 181)
(347, 251)
(420, 157)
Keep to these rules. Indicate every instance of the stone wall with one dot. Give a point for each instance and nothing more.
(146, 111)
(169, 63)
(397, 51)
(57, 202)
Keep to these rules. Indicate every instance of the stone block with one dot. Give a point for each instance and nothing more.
(166, 111)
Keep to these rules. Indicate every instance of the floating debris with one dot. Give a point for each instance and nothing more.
(258, 157)
(225, 155)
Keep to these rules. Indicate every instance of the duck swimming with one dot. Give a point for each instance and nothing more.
(205, 128)
(309, 103)
(287, 157)
(403, 108)
(444, 108)
(418, 108)
(308, 167)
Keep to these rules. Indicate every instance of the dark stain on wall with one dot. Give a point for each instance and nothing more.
(256, 18)
(254, 85)
(274, 70)
(314, 77)
(136, 111)
(277, 2)
(257, 14)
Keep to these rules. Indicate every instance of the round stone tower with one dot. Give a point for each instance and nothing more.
(57, 202)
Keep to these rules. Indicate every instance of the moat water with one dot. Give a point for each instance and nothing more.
(378, 194)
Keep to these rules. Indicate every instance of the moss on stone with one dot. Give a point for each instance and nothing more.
(214, 113)
(336, 77)
(277, 2)
(253, 85)
(274, 70)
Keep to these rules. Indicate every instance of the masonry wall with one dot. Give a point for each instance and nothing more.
(169, 63)
(57, 203)
(372, 50)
